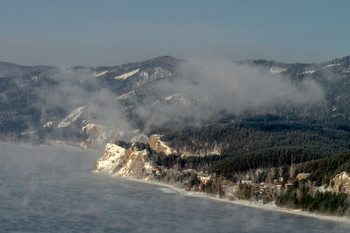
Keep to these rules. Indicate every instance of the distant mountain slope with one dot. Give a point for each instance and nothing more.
(35, 100)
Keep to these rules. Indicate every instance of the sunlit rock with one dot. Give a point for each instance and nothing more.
(341, 182)
(121, 162)
(158, 145)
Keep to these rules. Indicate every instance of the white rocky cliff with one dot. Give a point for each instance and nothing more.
(132, 162)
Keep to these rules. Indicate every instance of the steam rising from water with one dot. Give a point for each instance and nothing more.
(51, 189)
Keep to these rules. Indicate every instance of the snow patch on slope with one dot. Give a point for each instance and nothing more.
(311, 71)
(72, 117)
(170, 97)
(48, 124)
(127, 95)
(96, 75)
(127, 75)
(277, 70)
(179, 98)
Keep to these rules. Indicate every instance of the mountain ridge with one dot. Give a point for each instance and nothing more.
(26, 92)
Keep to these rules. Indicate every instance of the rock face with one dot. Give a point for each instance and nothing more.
(111, 158)
(161, 147)
(126, 162)
(158, 145)
(133, 162)
(342, 182)
(302, 176)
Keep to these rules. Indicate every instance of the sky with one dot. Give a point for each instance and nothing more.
(95, 33)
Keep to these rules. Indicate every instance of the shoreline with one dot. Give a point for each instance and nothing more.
(246, 203)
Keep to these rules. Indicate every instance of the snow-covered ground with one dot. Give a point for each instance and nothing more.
(96, 75)
(277, 70)
(127, 95)
(48, 124)
(127, 75)
(324, 67)
(72, 117)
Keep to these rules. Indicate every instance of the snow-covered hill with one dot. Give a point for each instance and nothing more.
(87, 105)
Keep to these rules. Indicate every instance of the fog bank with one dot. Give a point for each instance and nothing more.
(205, 88)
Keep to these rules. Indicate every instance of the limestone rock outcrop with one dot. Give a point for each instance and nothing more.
(341, 182)
(118, 161)
(158, 145)
(110, 159)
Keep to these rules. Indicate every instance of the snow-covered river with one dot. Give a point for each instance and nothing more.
(52, 189)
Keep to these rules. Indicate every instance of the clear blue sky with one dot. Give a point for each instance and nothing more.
(101, 32)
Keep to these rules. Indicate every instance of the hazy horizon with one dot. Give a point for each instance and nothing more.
(91, 33)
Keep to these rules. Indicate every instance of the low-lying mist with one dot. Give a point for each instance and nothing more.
(200, 90)
(52, 189)
(77, 88)
(205, 88)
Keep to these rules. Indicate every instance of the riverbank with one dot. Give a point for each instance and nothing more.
(168, 188)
